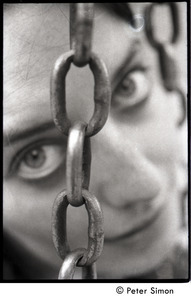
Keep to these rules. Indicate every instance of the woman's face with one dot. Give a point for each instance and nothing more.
(134, 157)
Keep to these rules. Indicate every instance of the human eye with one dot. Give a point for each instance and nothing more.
(133, 90)
(38, 160)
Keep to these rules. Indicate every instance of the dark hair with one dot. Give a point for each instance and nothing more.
(121, 9)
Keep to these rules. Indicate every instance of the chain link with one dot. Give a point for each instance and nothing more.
(167, 62)
(77, 173)
(69, 265)
(78, 156)
(102, 93)
(95, 230)
(150, 28)
(81, 24)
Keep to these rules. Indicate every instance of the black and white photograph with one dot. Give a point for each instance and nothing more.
(95, 142)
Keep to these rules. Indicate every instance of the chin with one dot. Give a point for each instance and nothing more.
(135, 256)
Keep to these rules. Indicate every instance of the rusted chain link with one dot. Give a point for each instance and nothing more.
(167, 62)
(78, 156)
(95, 229)
(81, 24)
(102, 93)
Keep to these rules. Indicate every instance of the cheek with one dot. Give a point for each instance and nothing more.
(28, 205)
(159, 138)
(125, 144)
(155, 132)
(27, 217)
(160, 135)
(26, 210)
(158, 143)
(27, 214)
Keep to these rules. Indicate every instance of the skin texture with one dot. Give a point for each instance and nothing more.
(135, 157)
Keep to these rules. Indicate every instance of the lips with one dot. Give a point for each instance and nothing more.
(132, 220)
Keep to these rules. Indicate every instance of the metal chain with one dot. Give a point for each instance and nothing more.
(78, 163)
(102, 93)
(78, 156)
(69, 265)
(81, 23)
(167, 62)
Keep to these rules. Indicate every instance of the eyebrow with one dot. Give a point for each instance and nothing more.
(25, 133)
(128, 62)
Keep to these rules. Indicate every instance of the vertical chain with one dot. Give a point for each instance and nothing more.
(167, 64)
(81, 23)
(78, 155)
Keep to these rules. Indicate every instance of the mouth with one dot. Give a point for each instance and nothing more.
(140, 223)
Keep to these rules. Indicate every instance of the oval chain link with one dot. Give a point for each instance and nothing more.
(78, 156)
(150, 28)
(78, 161)
(78, 153)
(102, 93)
(95, 229)
(167, 63)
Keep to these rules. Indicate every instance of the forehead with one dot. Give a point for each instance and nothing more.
(35, 35)
(35, 28)
(30, 32)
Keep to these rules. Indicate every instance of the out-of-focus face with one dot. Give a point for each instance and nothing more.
(134, 157)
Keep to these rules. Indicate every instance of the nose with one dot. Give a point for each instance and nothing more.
(121, 174)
